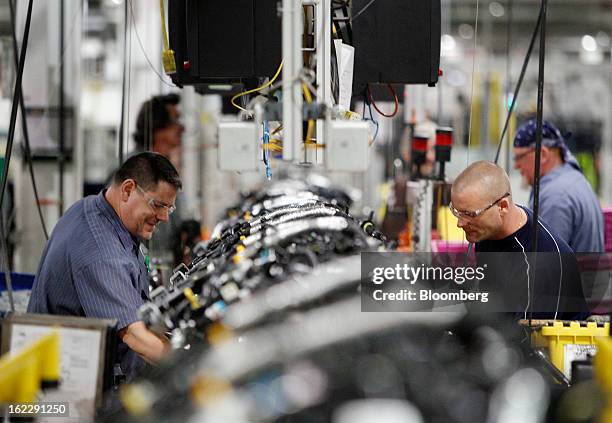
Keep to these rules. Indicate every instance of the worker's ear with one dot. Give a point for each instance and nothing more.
(127, 188)
(504, 206)
(545, 156)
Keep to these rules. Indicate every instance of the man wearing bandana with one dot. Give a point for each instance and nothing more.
(567, 202)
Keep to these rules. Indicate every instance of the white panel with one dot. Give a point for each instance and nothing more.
(238, 146)
(346, 148)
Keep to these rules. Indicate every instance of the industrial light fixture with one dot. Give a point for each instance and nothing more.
(589, 43)
(448, 43)
(496, 9)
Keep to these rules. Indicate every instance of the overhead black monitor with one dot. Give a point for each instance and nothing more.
(224, 41)
(396, 41)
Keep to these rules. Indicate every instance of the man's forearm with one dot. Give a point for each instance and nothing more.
(148, 345)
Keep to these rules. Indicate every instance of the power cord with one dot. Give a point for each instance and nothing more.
(356, 15)
(254, 90)
(24, 126)
(518, 85)
(395, 100)
(9, 149)
(367, 104)
(528, 287)
(159, 75)
(560, 269)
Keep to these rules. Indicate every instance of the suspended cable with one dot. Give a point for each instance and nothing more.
(24, 124)
(9, 149)
(538, 146)
(159, 75)
(395, 100)
(518, 84)
(539, 113)
(53, 92)
(356, 15)
(254, 90)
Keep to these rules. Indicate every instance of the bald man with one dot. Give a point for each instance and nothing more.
(481, 199)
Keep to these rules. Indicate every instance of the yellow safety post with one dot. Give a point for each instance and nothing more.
(23, 373)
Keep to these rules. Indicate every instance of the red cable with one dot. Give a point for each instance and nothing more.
(394, 98)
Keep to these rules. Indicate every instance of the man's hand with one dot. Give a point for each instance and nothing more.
(148, 345)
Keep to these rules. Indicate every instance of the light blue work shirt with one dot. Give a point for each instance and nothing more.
(570, 208)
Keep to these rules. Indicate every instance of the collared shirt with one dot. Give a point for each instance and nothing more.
(92, 267)
(570, 208)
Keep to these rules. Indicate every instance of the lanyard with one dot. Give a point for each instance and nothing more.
(145, 253)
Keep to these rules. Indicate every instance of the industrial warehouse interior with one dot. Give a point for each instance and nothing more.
(296, 211)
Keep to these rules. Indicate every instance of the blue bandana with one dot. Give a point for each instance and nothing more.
(551, 137)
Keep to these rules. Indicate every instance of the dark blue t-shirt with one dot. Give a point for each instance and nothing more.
(557, 287)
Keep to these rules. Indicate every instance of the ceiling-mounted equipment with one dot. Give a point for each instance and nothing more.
(223, 42)
(396, 41)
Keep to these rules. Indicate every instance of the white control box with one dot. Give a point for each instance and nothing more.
(347, 145)
(238, 146)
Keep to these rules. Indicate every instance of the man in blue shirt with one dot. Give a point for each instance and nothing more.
(567, 203)
(92, 265)
(481, 199)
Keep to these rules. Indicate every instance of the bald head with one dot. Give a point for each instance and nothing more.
(486, 178)
(480, 189)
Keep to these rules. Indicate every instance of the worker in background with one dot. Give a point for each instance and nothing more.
(159, 129)
(92, 265)
(481, 199)
(567, 202)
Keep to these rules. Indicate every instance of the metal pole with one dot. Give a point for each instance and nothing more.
(538, 148)
(536, 180)
(292, 92)
(322, 43)
(61, 112)
(9, 149)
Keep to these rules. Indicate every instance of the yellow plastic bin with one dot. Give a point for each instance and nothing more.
(569, 341)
